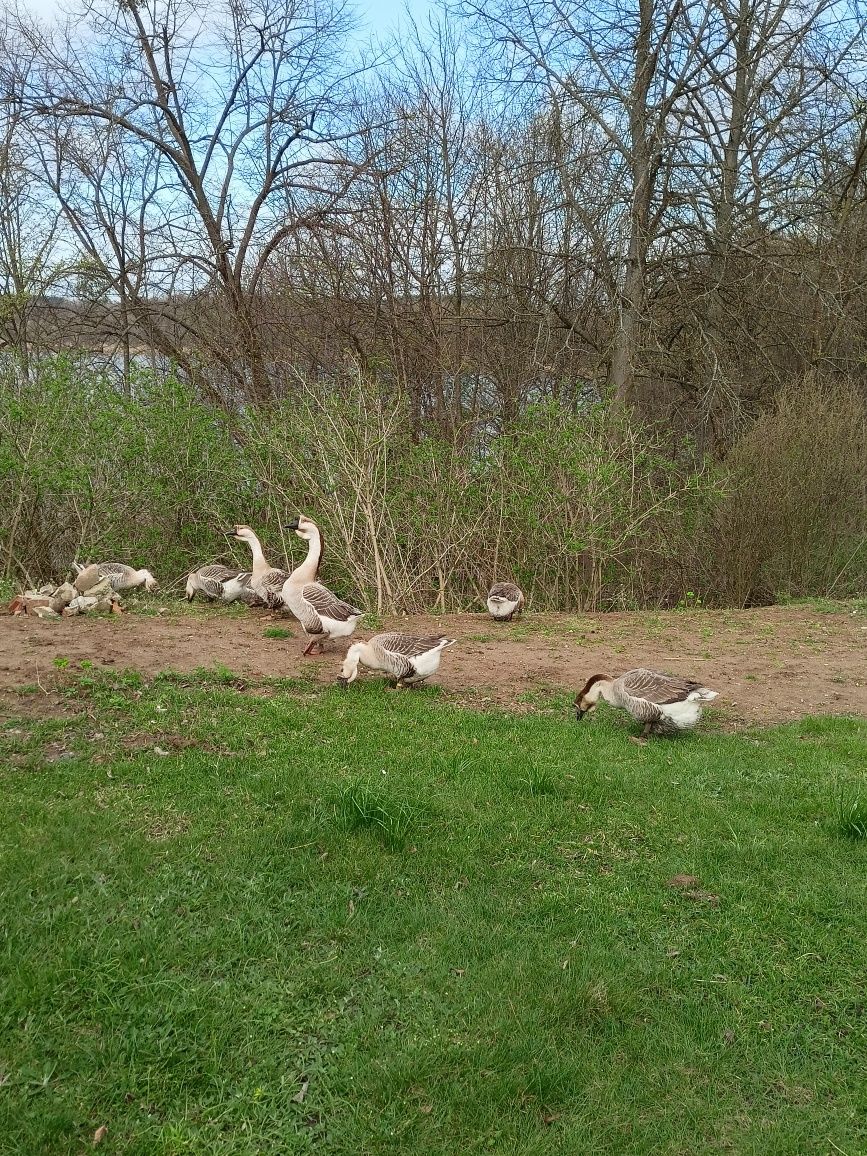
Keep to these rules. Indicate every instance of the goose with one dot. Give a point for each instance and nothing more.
(218, 581)
(505, 600)
(120, 577)
(408, 659)
(663, 702)
(322, 614)
(267, 581)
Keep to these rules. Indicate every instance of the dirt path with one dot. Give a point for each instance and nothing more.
(770, 665)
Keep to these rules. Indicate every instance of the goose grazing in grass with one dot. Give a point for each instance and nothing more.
(664, 703)
(219, 582)
(120, 577)
(407, 659)
(267, 580)
(322, 614)
(505, 600)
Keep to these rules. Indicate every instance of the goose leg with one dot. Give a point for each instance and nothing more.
(641, 740)
(308, 649)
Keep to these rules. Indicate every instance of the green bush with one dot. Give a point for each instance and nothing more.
(583, 506)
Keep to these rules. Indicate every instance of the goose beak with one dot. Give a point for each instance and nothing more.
(343, 682)
(294, 524)
(579, 714)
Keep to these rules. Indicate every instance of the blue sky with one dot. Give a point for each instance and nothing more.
(378, 16)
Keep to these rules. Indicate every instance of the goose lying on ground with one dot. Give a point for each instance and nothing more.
(664, 703)
(218, 581)
(267, 580)
(407, 659)
(120, 577)
(322, 614)
(505, 600)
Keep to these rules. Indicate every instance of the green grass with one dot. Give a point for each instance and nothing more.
(266, 918)
(277, 632)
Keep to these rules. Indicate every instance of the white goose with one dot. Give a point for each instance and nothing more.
(267, 581)
(120, 577)
(505, 600)
(322, 614)
(664, 703)
(219, 582)
(407, 659)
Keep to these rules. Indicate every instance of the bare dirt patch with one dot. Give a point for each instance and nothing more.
(770, 665)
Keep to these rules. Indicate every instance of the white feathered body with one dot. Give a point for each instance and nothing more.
(505, 600)
(406, 658)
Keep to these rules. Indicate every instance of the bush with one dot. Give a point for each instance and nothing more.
(581, 505)
(793, 521)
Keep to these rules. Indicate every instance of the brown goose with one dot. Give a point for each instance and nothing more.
(219, 582)
(322, 614)
(505, 600)
(407, 659)
(267, 581)
(120, 577)
(663, 702)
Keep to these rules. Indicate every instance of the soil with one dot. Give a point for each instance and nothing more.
(770, 665)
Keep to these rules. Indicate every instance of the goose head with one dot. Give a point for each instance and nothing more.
(304, 527)
(589, 695)
(242, 534)
(149, 581)
(349, 672)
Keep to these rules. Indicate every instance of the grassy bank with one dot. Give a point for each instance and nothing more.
(270, 919)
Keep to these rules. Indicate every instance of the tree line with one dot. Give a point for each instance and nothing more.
(516, 209)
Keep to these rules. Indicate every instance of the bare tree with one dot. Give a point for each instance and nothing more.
(185, 143)
(28, 226)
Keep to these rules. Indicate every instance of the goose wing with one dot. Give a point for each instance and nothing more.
(407, 645)
(210, 579)
(657, 688)
(113, 570)
(116, 572)
(326, 604)
(507, 590)
(271, 585)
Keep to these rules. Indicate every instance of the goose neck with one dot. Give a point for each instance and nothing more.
(309, 568)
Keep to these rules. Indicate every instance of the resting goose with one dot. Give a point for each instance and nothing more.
(664, 703)
(505, 600)
(120, 577)
(218, 581)
(322, 614)
(267, 581)
(408, 659)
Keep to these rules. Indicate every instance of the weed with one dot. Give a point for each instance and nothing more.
(277, 632)
(689, 601)
(852, 817)
(359, 807)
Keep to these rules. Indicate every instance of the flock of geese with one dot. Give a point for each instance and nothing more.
(662, 703)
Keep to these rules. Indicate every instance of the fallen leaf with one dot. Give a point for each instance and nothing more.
(551, 1117)
(100, 1134)
(425, 1109)
(300, 1095)
(729, 1036)
(160, 751)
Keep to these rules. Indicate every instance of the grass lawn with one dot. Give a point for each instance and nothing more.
(271, 919)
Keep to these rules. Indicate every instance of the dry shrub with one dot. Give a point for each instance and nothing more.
(794, 520)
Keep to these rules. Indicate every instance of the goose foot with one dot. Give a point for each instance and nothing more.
(308, 649)
(641, 739)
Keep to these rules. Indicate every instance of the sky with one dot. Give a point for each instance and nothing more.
(378, 16)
